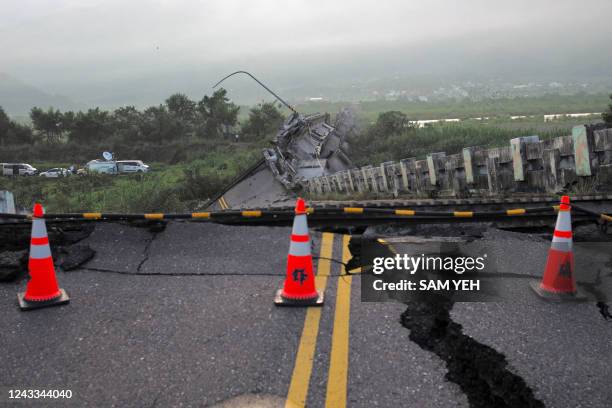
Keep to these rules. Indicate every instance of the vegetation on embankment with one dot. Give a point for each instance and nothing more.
(380, 143)
(167, 188)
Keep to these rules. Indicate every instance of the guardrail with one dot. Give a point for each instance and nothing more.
(582, 160)
(314, 213)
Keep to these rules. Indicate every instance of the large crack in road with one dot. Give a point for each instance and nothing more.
(480, 371)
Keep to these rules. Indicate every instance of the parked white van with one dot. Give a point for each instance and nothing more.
(132, 166)
(17, 169)
(102, 167)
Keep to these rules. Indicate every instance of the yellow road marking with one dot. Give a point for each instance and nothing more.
(225, 203)
(338, 362)
(298, 388)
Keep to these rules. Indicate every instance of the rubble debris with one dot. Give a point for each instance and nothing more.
(13, 265)
(73, 256)
(15, 244)
(306, 147)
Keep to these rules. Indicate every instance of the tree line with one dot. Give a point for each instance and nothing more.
(178, 118)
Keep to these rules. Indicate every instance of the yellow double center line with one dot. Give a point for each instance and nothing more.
(223, 203)
(338, 366)
(337, 379)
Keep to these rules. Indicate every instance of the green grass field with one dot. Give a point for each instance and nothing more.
(501, 108)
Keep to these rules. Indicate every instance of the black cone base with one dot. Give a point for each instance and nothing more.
(557, 297)
(62, 299)
(279, 300)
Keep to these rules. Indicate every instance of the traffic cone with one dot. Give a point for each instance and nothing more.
(42, 289)
(558, 282)
(299, 288)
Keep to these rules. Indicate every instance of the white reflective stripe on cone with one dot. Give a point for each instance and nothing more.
(561, 246)
(300, 225)
(299, 248)
(564, 221)
(561, 239)
(39, 229)
(40, 251)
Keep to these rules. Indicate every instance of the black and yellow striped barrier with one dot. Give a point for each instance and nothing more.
(317, 213)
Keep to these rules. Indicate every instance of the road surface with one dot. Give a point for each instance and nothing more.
(184, 317)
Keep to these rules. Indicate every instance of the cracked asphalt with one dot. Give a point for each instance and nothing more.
(185, 317)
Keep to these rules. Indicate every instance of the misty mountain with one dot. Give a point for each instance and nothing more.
(482, 64)
(17, 97)
(493, 62)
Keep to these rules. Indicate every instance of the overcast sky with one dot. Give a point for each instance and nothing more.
(49, 43)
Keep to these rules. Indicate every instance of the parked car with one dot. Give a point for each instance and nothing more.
(56, 172)
(17, 169)
(132, 166)
(99, 166)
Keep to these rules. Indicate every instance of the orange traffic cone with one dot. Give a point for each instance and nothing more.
(558, 282)
(42, 289)
(299, 288)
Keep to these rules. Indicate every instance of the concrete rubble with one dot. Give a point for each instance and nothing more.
(306, 146)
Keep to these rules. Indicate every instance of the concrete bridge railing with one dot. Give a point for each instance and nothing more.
(580, 162)
(7, 202)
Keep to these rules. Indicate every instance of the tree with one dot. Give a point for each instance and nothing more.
(48, 123)
(12, 132)
(215, 113)
(391, 123)
(126, 123)
(607, 116)
(92, 126)
(181, 107)
(4, 126)
(157, 124)
(183, 112)
(263, 120)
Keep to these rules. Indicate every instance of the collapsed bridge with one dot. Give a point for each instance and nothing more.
(305, 147)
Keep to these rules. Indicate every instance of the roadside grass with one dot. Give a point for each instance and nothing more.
(448, 137)
(167, 188)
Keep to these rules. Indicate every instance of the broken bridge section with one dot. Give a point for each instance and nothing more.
(305, 146)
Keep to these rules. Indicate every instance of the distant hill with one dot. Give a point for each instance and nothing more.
(17, 97)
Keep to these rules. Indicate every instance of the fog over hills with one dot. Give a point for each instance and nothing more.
(110, 53)
(17, 97)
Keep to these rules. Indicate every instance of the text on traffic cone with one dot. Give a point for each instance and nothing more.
(299, 287)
